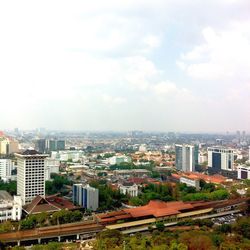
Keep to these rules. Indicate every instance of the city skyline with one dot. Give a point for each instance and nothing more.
(119, 66)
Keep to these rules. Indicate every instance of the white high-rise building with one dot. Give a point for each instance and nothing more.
(30, 175)
(185, 158)
(220, 158)
(6, 166)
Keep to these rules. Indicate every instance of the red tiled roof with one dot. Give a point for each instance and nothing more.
(39, 205)
(49, 204)
(159, 208)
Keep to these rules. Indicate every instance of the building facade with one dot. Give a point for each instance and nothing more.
(191, 182)
(46, 146)
(129, 188)
(30, 175)
(185, 158)
(86, 196)
(6, 167)
(243, 172)
(10, 208)
(220, 158)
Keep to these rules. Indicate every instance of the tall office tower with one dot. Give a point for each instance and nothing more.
(86, 196)
(185, 158)
(220, 158)
(45, 146)
(30, 175)
(60, 145)
(40, 145)
(196, 155)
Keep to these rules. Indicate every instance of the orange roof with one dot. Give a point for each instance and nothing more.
(159, 208)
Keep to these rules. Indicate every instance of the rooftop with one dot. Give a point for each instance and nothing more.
(4, 195)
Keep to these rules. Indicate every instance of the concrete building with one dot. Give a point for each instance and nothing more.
(8, 146)
(46, 146)
(10, 208)
(6, 167)
(191, 182)
(220, 158)
(30, 175)
(185, 158)
(129, 188)
(243, 172)
(86, 196)
(119, 159)
(51, 166)
(127, 173)
(143, 148)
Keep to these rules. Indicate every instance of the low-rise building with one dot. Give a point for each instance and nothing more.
(119, 159)
(191, 182)
(243, 172)
(129, 188)
(127, 173)
(10, 207)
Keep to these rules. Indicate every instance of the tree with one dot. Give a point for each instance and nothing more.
(177, 246)
(160, 226)
(242, 227)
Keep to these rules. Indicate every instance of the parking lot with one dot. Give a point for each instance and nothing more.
(227, 219)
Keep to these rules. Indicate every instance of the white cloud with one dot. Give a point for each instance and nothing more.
(113, 99)
(224, 55)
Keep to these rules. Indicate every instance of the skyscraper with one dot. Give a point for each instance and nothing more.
(220, 158)
(185, 158)
(30, 175)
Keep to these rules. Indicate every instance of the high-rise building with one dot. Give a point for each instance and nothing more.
(60, 145)
(86, 196)
(185, 158)
(220, 158)
(6, 166)
(41, 145)
(46, 146)
(30, 175)
(8, 146)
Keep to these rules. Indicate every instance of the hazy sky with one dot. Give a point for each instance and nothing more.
(179, 65)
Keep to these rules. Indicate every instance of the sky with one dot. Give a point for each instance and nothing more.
(152, 65)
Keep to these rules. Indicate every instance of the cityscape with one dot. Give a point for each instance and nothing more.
(73, 188)
(125, 125)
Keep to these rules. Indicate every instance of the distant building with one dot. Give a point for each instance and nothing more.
(119, 159)
(51, 166)
(86, 196)
(10, 208)
(243, 172)
(143, 148)
(191, 182)
(46, 146)
(127, 173)
(6, 167)
(8, 146)
(30, 175)
(185, 158)
(220, 158)
(202, 158)
(129, 188)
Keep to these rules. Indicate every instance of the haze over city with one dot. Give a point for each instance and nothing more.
(122, 65)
